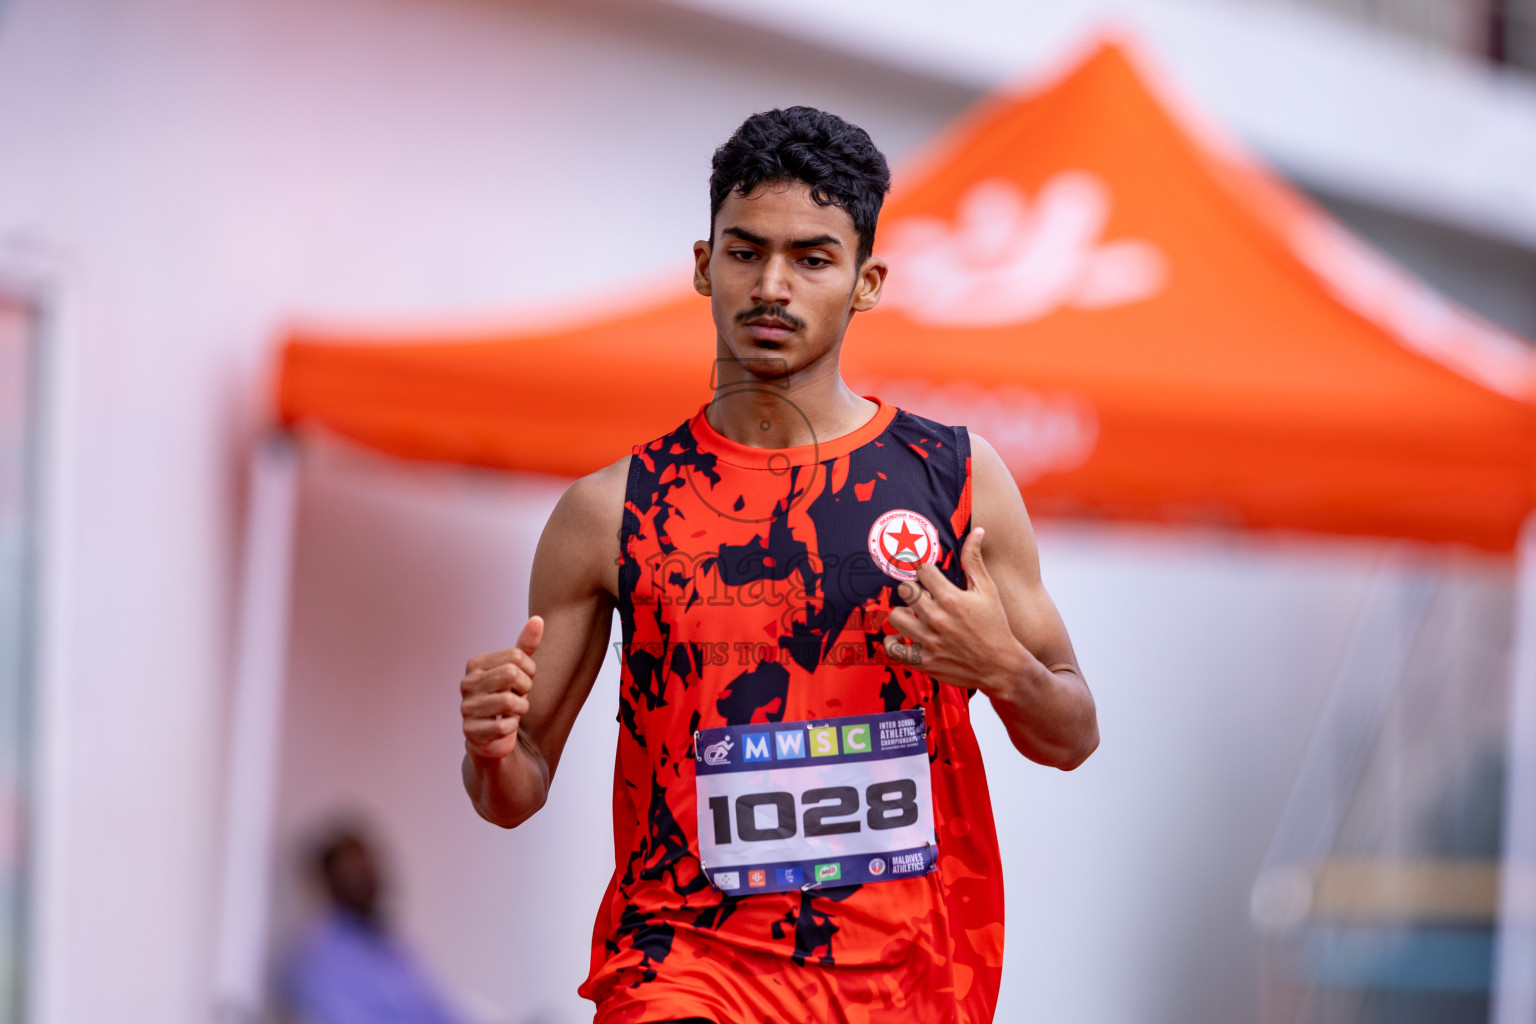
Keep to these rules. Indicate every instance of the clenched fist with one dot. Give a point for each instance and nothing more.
(495, 694)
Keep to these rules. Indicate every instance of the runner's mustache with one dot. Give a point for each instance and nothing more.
(774, 310)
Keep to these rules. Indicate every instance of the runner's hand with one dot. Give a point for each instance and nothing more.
(960, 637)
(495, 694)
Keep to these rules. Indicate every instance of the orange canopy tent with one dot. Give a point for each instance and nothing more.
(1145, 325)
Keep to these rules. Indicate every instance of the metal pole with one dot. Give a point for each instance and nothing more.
(1514, 983)
(260, 667)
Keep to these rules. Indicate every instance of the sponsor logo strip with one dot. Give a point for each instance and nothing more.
(819, 874)
(740, 748)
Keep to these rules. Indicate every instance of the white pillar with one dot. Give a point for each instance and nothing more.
(1514, 976)
(260, 668)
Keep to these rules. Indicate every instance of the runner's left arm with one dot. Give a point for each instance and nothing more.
(1002, 634)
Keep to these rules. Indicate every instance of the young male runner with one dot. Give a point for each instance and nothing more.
(802, 829)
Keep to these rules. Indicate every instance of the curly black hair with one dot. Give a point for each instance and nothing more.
(838, 160)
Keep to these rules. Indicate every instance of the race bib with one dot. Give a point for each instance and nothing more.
(800, 805)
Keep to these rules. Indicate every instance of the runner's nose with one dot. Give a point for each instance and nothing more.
(773, 283)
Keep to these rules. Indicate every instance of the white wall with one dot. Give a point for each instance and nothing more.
(191, 176)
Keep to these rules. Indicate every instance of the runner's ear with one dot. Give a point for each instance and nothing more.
(866, 291)
(701, 254)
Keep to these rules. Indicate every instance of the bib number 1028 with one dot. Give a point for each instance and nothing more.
(830, 811)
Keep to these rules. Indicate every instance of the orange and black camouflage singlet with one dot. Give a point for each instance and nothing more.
(748, 594)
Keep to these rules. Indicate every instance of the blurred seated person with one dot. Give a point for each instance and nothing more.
(347, 968)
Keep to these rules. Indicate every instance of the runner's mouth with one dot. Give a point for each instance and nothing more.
(767, 329)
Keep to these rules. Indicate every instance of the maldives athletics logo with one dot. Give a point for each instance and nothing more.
(901, 541)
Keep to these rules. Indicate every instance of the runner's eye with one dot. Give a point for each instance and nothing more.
(815, 262)
(743, 254)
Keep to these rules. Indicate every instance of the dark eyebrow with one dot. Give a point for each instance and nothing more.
(746, 236)
(819, 242)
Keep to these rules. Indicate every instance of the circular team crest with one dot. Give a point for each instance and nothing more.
(901, 541)
(877, 866)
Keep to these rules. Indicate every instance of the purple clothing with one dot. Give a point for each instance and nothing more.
(346, 972)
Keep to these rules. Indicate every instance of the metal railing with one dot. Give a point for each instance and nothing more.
(1379, 892)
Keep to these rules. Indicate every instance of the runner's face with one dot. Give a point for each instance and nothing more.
(783, 277)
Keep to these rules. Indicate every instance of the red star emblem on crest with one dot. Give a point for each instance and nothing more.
(906, 540)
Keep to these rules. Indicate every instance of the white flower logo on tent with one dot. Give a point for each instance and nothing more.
(1006, 261)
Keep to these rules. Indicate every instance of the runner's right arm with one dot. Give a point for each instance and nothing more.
(519, 704)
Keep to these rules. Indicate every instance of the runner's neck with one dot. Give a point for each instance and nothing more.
(769, 414)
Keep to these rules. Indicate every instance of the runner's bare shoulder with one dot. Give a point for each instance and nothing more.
(582, 534)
